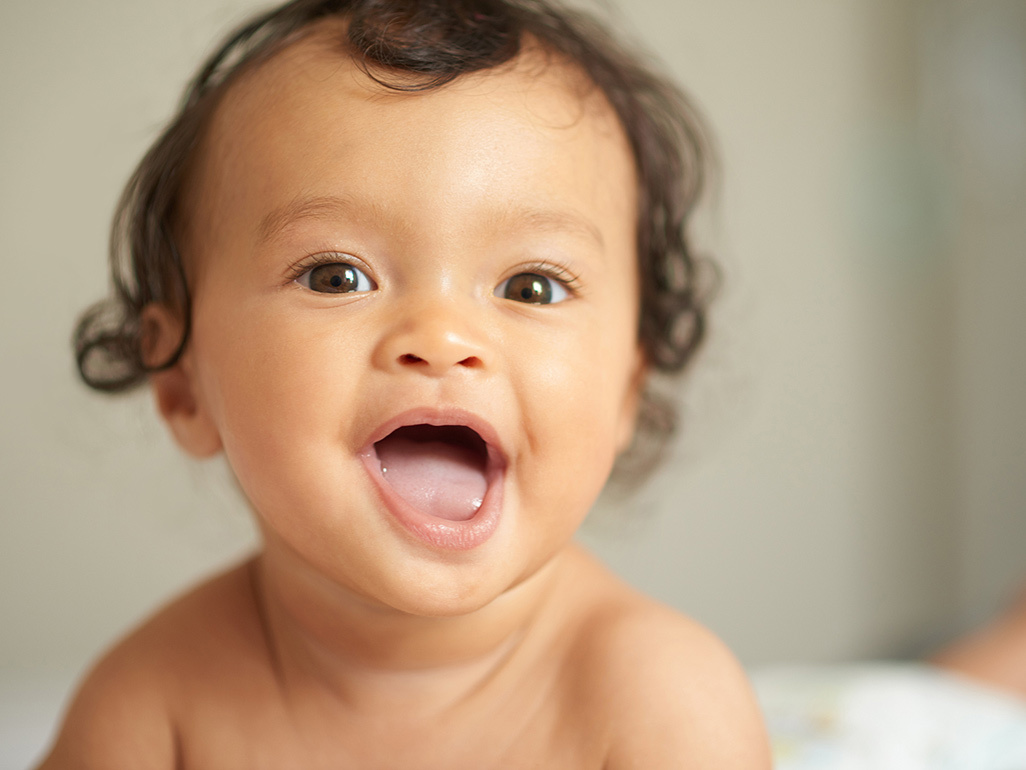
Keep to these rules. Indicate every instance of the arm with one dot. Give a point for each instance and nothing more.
(994, 654)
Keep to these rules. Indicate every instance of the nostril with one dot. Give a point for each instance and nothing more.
(470, 362)
(409, 358)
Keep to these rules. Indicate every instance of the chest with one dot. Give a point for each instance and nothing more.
(525, 730)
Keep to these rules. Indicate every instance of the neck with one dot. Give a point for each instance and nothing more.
(320, 634)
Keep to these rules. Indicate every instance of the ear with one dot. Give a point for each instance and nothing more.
(175, 388)
(632, 401)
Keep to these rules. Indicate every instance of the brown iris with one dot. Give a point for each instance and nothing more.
(529, 287)
(336, 278)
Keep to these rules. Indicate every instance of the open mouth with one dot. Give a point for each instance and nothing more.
(439, 470)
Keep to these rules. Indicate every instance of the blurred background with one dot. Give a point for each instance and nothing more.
(850, 481)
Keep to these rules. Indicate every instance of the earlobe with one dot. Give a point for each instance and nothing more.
(175, 388)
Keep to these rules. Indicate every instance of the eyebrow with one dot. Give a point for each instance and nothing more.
(319, 207)
(555, 221)
(328, 206)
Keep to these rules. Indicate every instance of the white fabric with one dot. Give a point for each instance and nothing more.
(888, 717)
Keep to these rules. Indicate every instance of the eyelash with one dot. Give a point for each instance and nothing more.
(556, 270)
(324, 258)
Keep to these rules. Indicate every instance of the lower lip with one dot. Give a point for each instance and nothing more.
(440, 533)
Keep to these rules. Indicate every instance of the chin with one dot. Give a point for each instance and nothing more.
(446, 591)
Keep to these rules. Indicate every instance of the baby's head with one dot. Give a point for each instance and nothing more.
(353, 131)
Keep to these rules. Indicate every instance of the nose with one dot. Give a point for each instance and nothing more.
(433, 339)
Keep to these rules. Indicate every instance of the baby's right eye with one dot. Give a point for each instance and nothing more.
(336, 278)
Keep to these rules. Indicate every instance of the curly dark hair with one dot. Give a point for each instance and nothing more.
(417, 45)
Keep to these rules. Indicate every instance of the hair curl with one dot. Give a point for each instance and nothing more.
(417, 45)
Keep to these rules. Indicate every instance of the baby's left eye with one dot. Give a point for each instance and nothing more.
(532, 288)
(336, 278)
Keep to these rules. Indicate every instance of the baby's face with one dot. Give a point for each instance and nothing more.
(364, 261)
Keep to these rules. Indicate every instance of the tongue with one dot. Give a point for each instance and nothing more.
(435, 477)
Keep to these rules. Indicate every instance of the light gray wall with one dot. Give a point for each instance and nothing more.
(849, 480)
(794, 525)
(974, 115)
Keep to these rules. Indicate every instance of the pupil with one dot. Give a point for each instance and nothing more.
(528, 292)
(336, 280)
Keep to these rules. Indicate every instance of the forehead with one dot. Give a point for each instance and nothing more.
(310, 113)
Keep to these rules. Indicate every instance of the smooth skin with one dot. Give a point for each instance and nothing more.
(347, 642)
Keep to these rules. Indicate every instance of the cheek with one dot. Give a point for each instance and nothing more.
(582, 394)
(261, 375)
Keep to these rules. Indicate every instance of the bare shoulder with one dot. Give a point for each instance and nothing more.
(123, 715)
(670, 691)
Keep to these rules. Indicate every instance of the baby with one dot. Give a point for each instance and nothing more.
(409, 264)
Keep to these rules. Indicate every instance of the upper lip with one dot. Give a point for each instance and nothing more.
(497, 456)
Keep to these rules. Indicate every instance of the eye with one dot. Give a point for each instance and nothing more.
(336, 278)
(532, 288)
